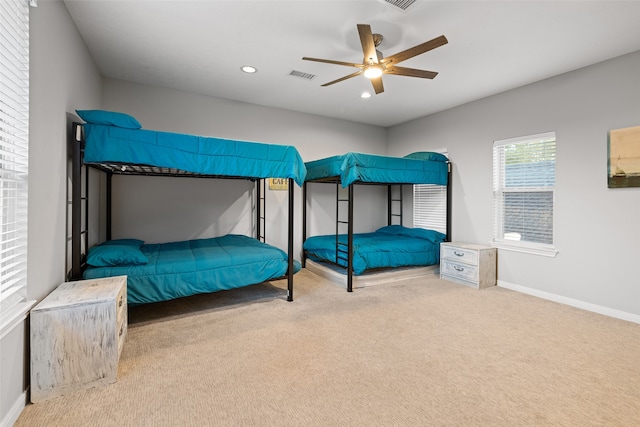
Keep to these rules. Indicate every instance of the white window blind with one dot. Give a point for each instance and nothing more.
(14, 149)
(524, 174)
(430, 206)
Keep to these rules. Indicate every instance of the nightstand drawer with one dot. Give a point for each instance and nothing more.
(459, 270)
(460, 254)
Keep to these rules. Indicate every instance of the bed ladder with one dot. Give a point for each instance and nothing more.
(78, 204)
(261, 225)
(394, 204)
(344, 251)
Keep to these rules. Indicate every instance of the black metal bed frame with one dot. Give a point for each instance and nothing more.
(78, 234)
(347, 254)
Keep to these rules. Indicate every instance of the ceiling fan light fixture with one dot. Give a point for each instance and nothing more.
(373, 72)
(374, 65)
(365, 95)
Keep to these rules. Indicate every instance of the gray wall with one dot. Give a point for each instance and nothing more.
(596, 228)
(62, 76)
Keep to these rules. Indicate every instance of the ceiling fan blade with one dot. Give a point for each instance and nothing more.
(330, 61)
(343, 78)
(416, 50)
(377, 84)
(368, 47)
(410, 72)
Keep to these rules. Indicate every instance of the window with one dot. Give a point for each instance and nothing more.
(430, 206)
(524, 175)
(14, 138)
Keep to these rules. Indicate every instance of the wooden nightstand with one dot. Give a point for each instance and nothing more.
(77, 334)
(468, 264)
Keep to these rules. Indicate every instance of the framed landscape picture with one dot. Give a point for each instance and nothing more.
(624, 157)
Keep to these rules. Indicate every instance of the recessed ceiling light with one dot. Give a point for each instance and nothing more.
(365, 95)
(249, 69)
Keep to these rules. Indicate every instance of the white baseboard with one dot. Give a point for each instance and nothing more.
(623, 315)
(15, 411)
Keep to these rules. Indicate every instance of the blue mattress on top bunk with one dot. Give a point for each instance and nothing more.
(197, 154)
(417, 168)
(388, 247)
(165, 271)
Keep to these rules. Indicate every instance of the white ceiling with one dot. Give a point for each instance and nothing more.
(494, 46)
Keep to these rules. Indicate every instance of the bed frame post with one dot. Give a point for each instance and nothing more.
(258, 201)
(401, 202)
(337, 216)
(290, 244)
(76, 206)
(350, 242)
(341, 253)
(109, 201)
(389, 203)
(85, 199)
(304, 222)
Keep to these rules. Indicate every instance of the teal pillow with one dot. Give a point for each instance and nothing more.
(427, 155)
(423, 233)
(109, 118)
(419, 233)
(391, 229)
(137, 243)
(120, 252)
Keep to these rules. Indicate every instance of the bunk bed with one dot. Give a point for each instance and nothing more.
(390, 246)
(116, 144)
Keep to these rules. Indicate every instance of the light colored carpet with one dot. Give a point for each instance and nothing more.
(411, 353)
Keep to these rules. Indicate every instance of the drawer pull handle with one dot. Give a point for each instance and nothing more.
(456, 253)
(458, 268)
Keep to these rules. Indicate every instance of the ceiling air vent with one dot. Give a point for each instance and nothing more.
(302, 75)
(401, 4)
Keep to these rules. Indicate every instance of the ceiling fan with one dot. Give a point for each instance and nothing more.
(374, 65)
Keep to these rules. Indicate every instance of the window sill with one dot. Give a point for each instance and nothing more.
(13, 316)
(548, 251)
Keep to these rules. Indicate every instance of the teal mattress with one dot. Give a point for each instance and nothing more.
(388, 247)
(349, 168)
(178, 269)
(192, 153)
